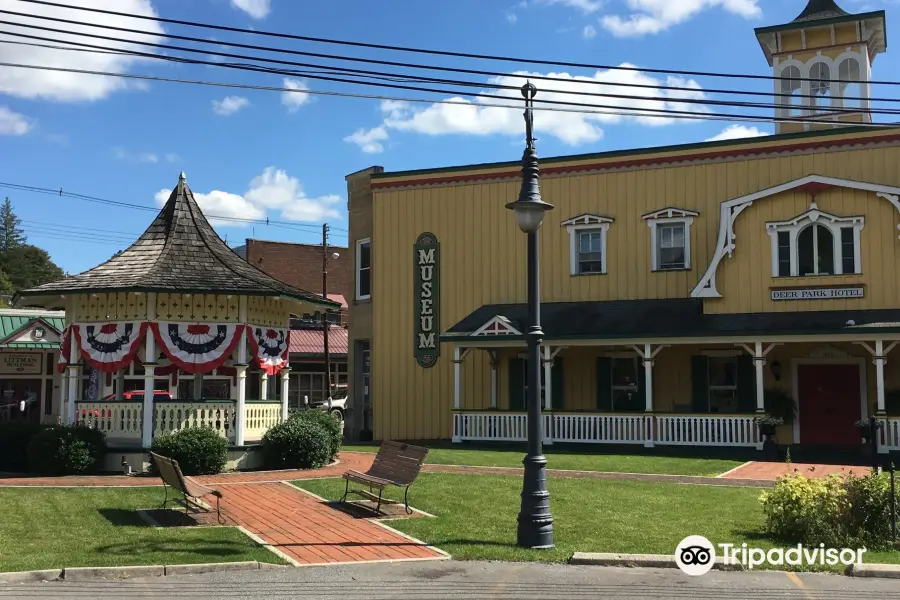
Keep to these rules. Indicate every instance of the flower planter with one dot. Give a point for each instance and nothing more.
(767, 430)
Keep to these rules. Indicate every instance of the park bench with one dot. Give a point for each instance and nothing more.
(192, 491)
(395, 464)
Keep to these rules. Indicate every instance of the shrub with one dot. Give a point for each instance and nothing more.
(331, 425)
(298, 443)
(850, 512)
(14, 440)
(66, 450)
(198, 450)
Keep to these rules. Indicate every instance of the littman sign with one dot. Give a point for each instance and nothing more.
(26, 363)
(427, 266)
(818, 293)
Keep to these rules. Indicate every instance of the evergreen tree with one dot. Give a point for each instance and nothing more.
(11, 233)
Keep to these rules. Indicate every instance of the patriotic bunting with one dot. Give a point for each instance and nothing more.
(269, 346)
(197, 348)
(111, 346)
(65, 347)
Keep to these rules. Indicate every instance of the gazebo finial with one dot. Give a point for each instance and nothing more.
(182, 177)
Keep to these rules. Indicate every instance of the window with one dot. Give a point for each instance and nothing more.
(670, 238)
(587, 244)
(851, 90)
(820, 85)
(816, 243)
(791, 90)
(723, 384)
(363, 269)
(626, 396)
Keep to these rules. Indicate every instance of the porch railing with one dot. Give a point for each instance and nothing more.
(120, 421)
(665, 430)
(892, 434)
(259, 417)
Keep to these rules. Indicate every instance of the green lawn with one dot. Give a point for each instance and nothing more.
(45, 528)
(476, 516)
(614, 463)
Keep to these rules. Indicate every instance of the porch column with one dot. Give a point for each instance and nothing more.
(494, 365)
(880, 360)
(285, 384)
(648, 363)
(263, 386)
(241, 367)
(759, 362)
(548, 382)
(457, 392)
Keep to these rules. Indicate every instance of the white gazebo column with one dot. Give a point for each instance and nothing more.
(263, 386)
(285, 384)
(74, 372)
(241, 367)
(149, 373)
(494, 365)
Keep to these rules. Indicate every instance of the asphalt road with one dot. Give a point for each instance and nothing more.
(468, 580)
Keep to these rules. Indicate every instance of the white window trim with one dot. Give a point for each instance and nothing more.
(359, 245)
(816, 216)
(582, 224)
(670, 216)
(505, 328)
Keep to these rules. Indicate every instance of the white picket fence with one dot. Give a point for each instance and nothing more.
(663, 430)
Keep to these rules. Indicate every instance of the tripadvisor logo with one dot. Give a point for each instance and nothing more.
(695, 555)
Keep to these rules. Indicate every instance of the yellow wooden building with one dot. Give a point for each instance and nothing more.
(684, 288)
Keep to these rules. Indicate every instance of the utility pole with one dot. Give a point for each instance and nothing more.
(325, 324)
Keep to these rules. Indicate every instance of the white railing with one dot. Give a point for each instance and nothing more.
(892, 434)
(599, 429)
(259, 417)
(120, 421)
(175, 416)
(668, 430)
(702, 430)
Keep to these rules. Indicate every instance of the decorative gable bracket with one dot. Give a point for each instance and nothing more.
(670, 212)
(587, 220)
(499, 325)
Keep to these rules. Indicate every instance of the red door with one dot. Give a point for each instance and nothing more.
(829, 404)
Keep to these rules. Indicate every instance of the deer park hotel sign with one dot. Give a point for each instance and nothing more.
(427, 265)
(822, 293)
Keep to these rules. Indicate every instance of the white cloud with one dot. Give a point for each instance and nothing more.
(587, 6)
(12, 123)
(511, 17)
(736, 132)
(273, 190)
(589, 32)
(148, 157)
(654, 16)
(74, 87)
(369, 141)
(258, 9)
(294, 99)
(573, 128)
(152, 158)
(171, 157)
(229, 105)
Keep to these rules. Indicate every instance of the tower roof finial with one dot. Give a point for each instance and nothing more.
(182, 177)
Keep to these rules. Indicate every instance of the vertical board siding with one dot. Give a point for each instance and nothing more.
(483, 262)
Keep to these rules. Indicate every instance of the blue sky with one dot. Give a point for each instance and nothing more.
(261, 154)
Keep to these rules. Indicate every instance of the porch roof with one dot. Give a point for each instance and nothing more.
(179, 252)
(671, 318)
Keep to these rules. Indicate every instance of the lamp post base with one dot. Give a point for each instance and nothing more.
(535, 521)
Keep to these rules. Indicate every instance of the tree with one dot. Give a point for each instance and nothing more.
(11, 233)
(29, 266)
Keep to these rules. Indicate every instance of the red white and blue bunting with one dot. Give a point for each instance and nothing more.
(270, 347)
(65, 347)
(195, 347)
(109, 347)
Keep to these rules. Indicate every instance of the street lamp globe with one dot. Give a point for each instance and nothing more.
(529, 215)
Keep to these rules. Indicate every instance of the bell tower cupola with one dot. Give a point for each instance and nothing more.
(822, 63)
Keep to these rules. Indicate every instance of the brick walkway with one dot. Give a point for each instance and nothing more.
(772, 470)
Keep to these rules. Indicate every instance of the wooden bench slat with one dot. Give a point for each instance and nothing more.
(395, 464)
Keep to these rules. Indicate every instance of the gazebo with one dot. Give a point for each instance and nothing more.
(173, 327)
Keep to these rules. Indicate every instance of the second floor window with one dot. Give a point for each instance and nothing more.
(587, 243)
(670, 238)
(363, 269)
(590, 252)
(671, 246)
(816, 243)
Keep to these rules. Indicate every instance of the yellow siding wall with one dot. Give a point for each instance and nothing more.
(482, 256)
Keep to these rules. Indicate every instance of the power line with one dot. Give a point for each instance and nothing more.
(389, 77)
(624, 113)
(426, 51)
(67, 226)
(391, 63)
(60, 192)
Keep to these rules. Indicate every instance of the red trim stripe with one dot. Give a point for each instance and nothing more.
(640, 161)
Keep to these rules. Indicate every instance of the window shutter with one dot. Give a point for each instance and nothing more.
(746, 384)
(700, 383)
(556, 387)
(604, 384)
(516, 384)
(640, 402)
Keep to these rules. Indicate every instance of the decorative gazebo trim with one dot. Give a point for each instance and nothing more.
(197, 347)
(270, 347)
(111, 346)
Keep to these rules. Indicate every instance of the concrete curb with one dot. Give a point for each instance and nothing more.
(95, 573)
(646, 561)
(875, 571)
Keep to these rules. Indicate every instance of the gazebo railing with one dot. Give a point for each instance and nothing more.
(170, 416)
(259, 417)
(120, 421)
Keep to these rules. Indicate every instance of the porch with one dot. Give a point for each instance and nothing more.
(679, 392)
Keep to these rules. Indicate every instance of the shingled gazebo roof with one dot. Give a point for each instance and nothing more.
(820, 9)
(179, 252)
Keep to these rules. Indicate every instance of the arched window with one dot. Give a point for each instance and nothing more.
(815, 251)
(849, 71)
(820, 85)
(791, 90)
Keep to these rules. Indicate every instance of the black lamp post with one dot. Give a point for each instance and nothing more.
(535, 521)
